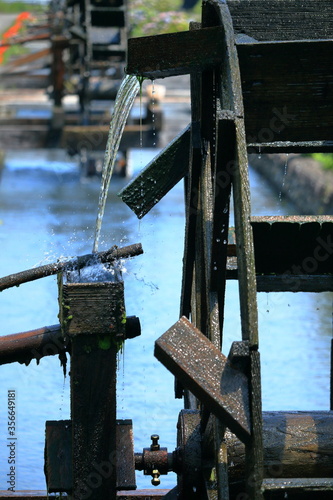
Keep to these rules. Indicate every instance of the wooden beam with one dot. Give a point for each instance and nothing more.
(93, 316)
(208, 374)
(293, 245)
(159, 176)
(58, 456)
(175, 53)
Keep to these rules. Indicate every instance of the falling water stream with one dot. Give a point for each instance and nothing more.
(123, 104)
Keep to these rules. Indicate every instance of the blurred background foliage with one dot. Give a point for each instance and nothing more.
(152, 17)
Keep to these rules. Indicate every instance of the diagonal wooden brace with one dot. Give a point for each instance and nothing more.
(208, 374)
(159, 176)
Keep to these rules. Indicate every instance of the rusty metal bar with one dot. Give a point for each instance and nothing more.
(33, 344)
(47, 341)
(114, 253)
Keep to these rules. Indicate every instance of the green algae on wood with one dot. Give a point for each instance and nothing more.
(92, 308)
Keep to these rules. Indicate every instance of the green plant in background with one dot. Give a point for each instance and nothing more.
(13, 52)
(326, 159)
(153, 17)
(17, 7)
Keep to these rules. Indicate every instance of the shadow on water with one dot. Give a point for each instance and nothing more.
(46, 212)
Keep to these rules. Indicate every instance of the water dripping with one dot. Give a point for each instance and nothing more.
(284, 176)
(153, 111)
(62, 399)
(123, 104)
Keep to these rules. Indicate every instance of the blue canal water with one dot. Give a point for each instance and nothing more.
(47, 212)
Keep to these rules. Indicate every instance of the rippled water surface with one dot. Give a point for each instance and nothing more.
(46, 212)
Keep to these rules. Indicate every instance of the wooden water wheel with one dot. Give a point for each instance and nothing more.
(260, 81)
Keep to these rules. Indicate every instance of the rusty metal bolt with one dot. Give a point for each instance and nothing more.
(155, 481)
(154, 446)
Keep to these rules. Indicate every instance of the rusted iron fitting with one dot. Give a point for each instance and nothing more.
(154, 461)
(132, 329)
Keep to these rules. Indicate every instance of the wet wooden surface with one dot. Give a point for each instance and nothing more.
(283, 19)
(159, 176)
(174, 54)
(92, 308)
(207, 373)
(58, 455)
(282, 104)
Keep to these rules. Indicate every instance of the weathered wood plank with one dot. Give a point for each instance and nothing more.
(207, 373)
(295, 283)
(159, 176)
(125, 455)
(299, 484)
(254, 455)
(93, 411)
(58, 456)
(173, 54)
(93, 316)
(189, 301)
(292, 253)
(92, 308)
(290, 147)
(282, 19)
(285, 105)
(293, 245)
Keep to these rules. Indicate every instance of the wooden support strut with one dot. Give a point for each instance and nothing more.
(159, 176)
(202, 369)
(93, 316)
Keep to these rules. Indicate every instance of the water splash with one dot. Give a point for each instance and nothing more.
(123, 104)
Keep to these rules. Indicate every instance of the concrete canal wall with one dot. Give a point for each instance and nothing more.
(298, 178)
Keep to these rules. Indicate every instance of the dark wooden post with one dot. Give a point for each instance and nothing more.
(59, 43)
(93, 316)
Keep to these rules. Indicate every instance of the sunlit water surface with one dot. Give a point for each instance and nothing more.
(46, 213)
